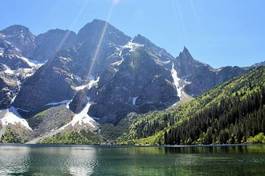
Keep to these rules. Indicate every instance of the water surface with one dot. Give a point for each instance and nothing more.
(119, 161)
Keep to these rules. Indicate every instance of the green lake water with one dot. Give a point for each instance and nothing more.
(121, 161)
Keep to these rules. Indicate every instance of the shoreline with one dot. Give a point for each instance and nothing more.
(123, 145)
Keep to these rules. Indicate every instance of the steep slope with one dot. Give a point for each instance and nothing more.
(97, 43)
(51, 42)
(229, 113)
(21, 38)
(136, 84)
(50, 84)
(14, 69)
(202, 77)
(13, 128)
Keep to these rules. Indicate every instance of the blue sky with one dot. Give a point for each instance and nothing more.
(219, 32)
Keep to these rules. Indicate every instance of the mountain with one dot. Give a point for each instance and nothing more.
(51, 42)
(21, 38)
(137, 83)
(14, 66)
(258, 64)
(202, 77)
(231, 113)
(92, 79)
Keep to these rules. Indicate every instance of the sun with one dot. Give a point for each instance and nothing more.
(115, 2)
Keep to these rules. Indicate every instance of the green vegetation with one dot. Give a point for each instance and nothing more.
(112, 132)
(230, 113)
(14, 134)
(51, 118)
(10, 137)
(258, 139)
(73, 137)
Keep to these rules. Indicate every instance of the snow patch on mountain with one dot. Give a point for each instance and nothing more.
(25, 72)
(177, 81)
(89, 85)
(8, 70)
(118, 62)
(162, 62)
(11, 116)
(21, 72)
(30, 62)
(1, 51)
(134, 99)
(58, 103)
(179, 84)
(83, 117)
(132, 46)
(13, 99)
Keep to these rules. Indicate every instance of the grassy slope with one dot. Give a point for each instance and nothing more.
(73, 137)
(150, 128)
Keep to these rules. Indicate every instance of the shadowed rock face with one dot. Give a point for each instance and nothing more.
(202, 77)
(79, 102)
(138, 84)
(51, 83)
(50, 43)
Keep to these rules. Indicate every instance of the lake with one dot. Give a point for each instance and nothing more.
(119, 161)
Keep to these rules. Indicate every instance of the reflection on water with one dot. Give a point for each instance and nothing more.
(82, 161)
(14, 160)
(26, 160)
(118, 161)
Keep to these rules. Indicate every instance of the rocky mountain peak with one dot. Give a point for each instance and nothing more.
(15, 29)
(98, 29)
(51, 42)
(153, 48)
(185, 55)
(142, 40)
(21, 38)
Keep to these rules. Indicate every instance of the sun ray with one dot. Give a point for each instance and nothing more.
(194, 11)
(65, 37)
(101, 39)
(179, 17)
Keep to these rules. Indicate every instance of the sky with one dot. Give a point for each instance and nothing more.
(219, 32)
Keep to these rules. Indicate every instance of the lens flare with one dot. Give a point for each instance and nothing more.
(65, 37)
(115, 2)
(101, 39)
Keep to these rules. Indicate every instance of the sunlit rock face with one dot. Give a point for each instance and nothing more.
(98, 42)
(14, 66)
(100, 66)
(20, 37)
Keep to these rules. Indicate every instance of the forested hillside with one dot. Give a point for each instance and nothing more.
(233, 112)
